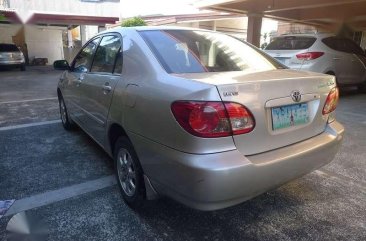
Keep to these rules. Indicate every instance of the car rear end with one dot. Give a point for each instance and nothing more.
(299, 52)
(281, 122)
(10, 56)
(277, 139)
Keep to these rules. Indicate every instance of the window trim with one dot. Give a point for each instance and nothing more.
(115, 60)
(74, 60)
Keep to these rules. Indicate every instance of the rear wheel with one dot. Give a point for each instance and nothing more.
(67, 123)
(362, 87)
(129, 173)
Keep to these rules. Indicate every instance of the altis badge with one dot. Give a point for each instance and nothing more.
(230, 93)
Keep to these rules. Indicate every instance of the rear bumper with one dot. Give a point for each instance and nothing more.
(11, 62)
(215, 181)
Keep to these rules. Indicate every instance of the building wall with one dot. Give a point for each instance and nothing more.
(44, 42)
(294, 28)
(236, 27)
(7, 31)
(107, 8)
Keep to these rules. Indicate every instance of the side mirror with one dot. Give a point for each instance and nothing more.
(61, 65)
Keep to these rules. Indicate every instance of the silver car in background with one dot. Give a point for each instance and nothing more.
(322, 53)
(197, 115)
(11, 56)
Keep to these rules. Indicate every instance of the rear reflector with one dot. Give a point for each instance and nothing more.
(213, 119)
(309, 55)
(331, 101)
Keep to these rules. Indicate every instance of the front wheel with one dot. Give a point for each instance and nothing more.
(22, 67)
(129, 173)
(67, 123)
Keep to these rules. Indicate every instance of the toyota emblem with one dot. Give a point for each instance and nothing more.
(296, 96)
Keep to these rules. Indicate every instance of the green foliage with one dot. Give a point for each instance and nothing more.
(264, 45)
(2, 17)
(132, 22)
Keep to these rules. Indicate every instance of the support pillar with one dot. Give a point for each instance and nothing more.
(254, 29)
(83, 34)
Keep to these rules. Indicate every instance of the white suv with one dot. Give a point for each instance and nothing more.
(322, 53)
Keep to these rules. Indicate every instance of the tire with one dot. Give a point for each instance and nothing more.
(362, 88)
(129, 173)
(22, 67)
(66, 121)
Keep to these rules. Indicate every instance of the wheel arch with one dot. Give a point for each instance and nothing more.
(330, 72)
(59, 93)
(115, 131)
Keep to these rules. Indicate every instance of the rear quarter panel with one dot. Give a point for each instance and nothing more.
(143, 97)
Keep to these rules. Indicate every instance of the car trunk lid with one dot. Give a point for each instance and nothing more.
(268, 96)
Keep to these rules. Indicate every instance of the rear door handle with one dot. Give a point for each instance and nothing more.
(107, 88)
(336, 58)
(79, 80)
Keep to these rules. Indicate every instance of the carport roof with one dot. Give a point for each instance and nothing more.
(56, 18)
(10, 15)
(68, 19)
(323, 13)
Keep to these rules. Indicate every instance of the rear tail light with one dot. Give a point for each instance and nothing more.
(331, 101)
(213, 119)
(309, 55)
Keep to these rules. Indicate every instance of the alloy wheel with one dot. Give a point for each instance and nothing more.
(126, 172)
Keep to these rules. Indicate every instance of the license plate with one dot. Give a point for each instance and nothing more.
(290, 115)
(283, 60)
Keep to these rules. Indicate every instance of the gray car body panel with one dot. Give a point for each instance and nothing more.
(206, 173)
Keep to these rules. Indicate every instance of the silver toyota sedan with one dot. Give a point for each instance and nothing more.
(196, 115)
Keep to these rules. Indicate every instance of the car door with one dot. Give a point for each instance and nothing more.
(75, 78)
(358, 61)
(98, 85)
(342, 60)
(345, 62)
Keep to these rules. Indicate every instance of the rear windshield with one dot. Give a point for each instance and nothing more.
(291, 43)
(8, 48)
(189, 51)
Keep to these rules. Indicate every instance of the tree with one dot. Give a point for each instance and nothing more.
(2, 17)
(132, 22)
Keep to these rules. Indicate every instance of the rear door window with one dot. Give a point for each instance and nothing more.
(343, 45)
(291, 43)
(83, 60)
(105, 56)
(353, 48)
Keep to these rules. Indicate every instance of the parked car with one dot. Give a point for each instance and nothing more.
(11, 56)
(197, 115)
(322, 53)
